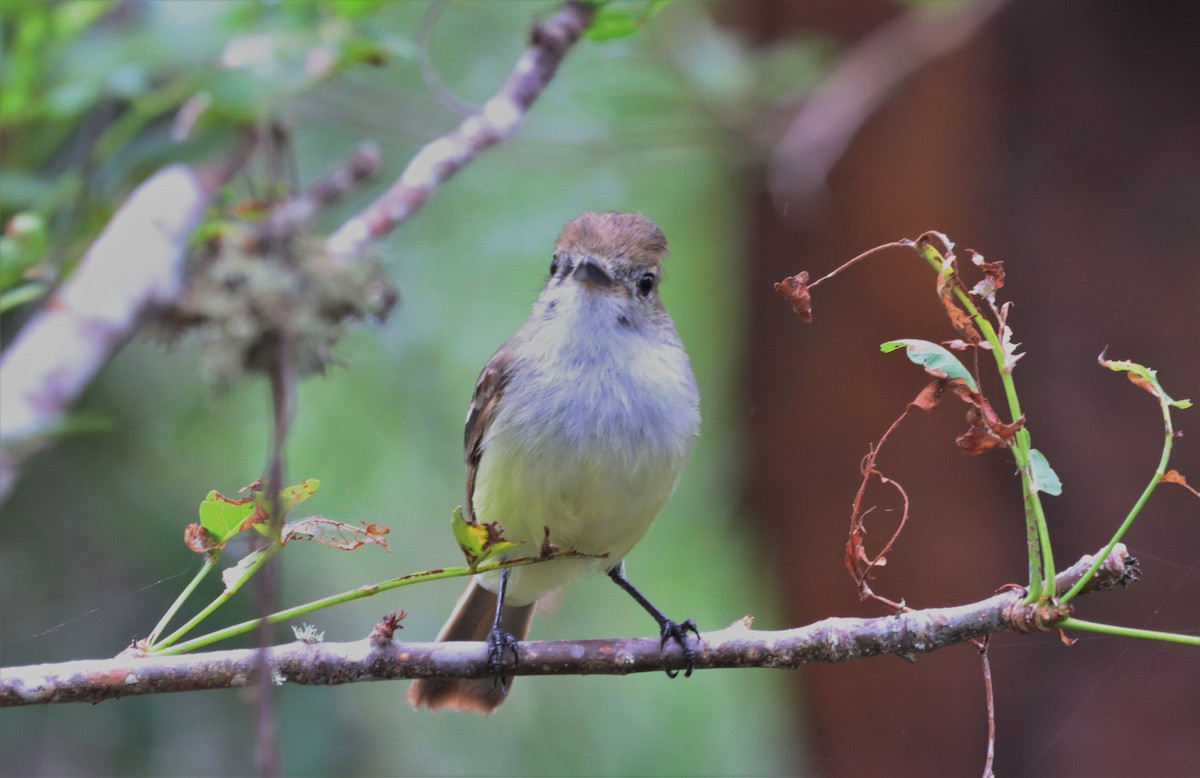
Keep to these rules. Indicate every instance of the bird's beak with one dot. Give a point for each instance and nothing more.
(592, 273)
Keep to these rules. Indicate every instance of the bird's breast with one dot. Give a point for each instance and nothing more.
(592, 454)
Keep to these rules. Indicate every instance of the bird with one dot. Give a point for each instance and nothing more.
(577, 432)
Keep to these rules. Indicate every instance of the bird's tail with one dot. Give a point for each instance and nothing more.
(471, 621)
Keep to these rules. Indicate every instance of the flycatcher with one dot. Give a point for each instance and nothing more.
(579, 427)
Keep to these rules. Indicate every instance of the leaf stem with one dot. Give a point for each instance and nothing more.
(1168, 441)
(263, 555)
(1129, 632)
(337, 599)
(1041, 557)
(210, 561)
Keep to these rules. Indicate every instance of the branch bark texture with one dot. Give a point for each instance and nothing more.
(137, 261)
(495, 122)
(134, 265)
(325, 664)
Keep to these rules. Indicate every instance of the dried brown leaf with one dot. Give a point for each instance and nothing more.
(979, 439)
(993, 277)
(930, 396)
(960, 319)
(1176, 477)
(257, 516)
(794, 289)
(337, 534)
(200, 540)
(987, 429)
(1141, 383)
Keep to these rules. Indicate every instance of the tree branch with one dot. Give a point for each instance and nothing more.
(325, 664)
(137, 261)
(494, 123)
(287, 220)
(134, 265)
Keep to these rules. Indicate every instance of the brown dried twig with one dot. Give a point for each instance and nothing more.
(991, 709)
(859, 562)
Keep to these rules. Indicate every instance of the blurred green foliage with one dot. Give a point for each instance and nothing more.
(96, 94)
(619, 20)
(90, 543)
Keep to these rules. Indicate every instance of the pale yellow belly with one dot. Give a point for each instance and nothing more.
(595, 505)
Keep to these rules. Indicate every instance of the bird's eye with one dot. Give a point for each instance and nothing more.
(646, 284)
(554, 267)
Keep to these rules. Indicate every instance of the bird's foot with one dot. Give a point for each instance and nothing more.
(500, 642)
(678, 632)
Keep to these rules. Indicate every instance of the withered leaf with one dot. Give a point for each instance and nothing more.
(337, 534)
(959, 318)
(1141, 383)
(983, 418)
(930, 396)
(257, 516)
(979, 439)
(794, 289)
(479, 542)
(200, 540)
(1176, 477)
(993, 277)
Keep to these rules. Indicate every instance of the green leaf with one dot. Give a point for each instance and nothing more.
(1044, 477)
(224, 517)
(289, 498)
(357, 10)
(937, 360)
(614, 21)
(294, 495)
(240, 96)
(72, 19)
(479, 542)
(1142, 377)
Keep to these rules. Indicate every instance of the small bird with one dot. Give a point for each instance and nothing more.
(577, 432)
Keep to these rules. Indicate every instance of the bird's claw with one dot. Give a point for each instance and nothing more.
(499, 642)
(678, 632)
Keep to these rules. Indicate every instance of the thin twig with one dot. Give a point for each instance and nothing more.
(494, 123)
(897, 244)
(283, 378)
(831, 640)
(289, 218)
(283, 394)
(859, 563)
(991, 709)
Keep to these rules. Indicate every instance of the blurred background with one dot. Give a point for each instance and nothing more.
(765, 138)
